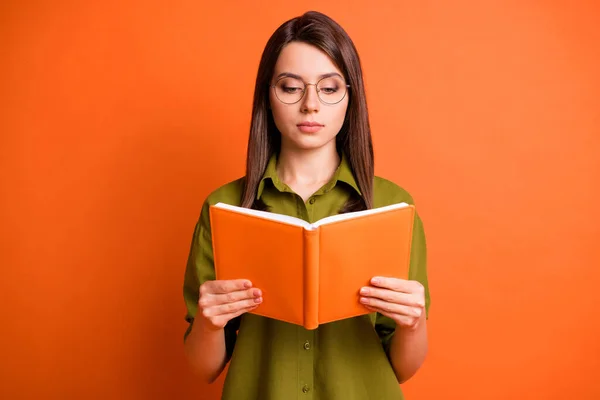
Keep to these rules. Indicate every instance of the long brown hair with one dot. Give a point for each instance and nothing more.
(353, 139)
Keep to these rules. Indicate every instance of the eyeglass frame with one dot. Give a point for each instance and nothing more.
(306, 85)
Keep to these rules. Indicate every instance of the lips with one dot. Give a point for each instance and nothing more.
(309, 123)
(309, 127)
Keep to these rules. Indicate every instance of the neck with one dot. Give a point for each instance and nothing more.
(302, 167)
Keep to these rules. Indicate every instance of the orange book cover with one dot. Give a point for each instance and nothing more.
(310, 274)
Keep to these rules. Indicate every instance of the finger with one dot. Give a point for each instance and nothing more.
(209, 299)
(226, 286)
(230, 308)
(401, 319)
(392, 296)
(397, 284)
(391, 308)
(222, 320)
(233, 297)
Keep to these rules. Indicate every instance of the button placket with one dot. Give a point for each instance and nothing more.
(305, 346)
(301, 209)
(310, 207)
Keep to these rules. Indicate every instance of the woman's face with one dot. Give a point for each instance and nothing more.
(301, 62)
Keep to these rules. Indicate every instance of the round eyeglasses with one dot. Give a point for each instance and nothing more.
(330, 89)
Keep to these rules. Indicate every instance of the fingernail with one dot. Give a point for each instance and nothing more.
(258, 300)
(247, 284)
(364, 300)
(364, 291)
(256, 293)
(375, 281)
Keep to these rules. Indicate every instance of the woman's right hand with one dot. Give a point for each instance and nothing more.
(222, 300)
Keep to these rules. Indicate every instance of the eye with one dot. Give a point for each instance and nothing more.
(329, 90)
(291, 89)
(330, 86)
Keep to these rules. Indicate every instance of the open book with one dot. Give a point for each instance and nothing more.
(311, 274)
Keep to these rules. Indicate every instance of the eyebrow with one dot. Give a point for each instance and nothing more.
(290, 75)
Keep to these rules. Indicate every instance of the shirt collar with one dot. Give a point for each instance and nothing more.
(343, 173)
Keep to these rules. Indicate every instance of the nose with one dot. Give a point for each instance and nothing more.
(310, 102)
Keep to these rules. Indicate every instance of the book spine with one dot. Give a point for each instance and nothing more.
(311, 278)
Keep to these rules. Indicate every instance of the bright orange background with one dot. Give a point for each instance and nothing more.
(116, 121)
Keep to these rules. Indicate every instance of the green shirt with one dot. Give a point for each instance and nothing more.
(270, 359)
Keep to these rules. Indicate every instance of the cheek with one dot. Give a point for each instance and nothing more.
(282, 114)
(339, 115)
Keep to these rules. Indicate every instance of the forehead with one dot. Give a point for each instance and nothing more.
(305, 60)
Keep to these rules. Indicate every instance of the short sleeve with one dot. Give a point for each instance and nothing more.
(385, 326)
(199, 269)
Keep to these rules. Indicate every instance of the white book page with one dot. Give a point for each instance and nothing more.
(357, 214)
(286, 219)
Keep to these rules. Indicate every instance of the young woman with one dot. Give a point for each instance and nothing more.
(310, 156)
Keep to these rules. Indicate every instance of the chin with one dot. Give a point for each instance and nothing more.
(305, 141)
(310, 143)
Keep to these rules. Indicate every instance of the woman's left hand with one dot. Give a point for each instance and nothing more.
(399, 299)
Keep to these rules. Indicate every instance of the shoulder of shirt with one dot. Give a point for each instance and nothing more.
(229, 193)
(386, 192)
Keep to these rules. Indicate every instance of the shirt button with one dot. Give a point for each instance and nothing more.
(306, 345)
(305, 389)
(312, 200)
